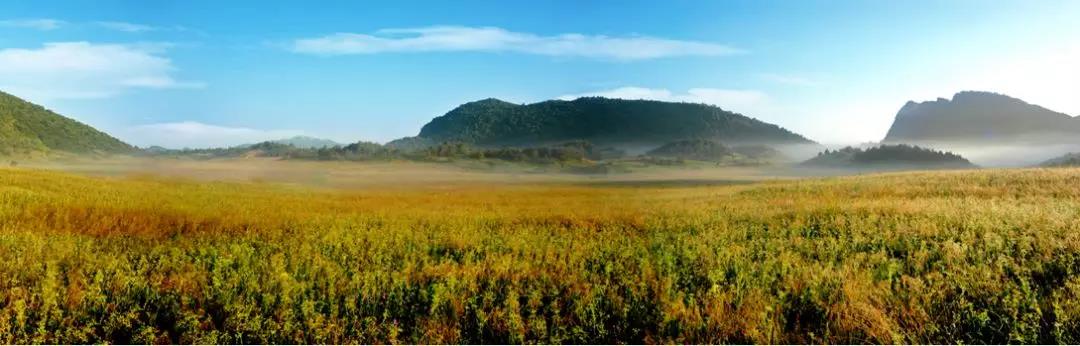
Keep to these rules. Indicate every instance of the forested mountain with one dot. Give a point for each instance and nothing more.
(981, 117)
(602, 121)
(27, 128)
(889, 155)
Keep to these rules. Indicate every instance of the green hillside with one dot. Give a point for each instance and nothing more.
(27, 128)
(599, 120)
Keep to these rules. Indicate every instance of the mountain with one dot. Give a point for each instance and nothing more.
(602, 121)
(981, 117)
(305, 142)
(1067, 160)
(901, 155)
(27, 128)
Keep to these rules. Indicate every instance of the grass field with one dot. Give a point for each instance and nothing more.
(988, 256)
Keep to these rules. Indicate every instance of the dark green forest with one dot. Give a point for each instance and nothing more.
(492, 122)
(899, 154)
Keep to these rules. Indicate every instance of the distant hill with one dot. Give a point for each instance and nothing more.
(602, 121)
(981, 117)
(27, 128)
(759, 152)
(693, 149)
(408, 144)
(889, 156)
(359, 151)
(1067, 160)
(306, 142)
(302, 142)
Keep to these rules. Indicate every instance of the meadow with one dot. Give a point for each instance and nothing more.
(103, 256)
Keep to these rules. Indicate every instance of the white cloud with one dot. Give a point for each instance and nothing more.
(125, 27)
(192, 134)
(748, 102)
(491, 39)
(37, 24)
(788, 80)
(85, 70)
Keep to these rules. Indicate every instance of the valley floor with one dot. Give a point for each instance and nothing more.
(271, 252)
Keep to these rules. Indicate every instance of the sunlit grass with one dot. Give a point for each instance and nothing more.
(977, 256)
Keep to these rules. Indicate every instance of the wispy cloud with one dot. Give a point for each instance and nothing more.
(46, 24)
(733, 99)
(193, 134)
(86, 70)
(143, 28)
(790, 80)
(492, 39)
(37, 24)
(125, 26)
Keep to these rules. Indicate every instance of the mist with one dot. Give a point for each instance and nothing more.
(1007, 154)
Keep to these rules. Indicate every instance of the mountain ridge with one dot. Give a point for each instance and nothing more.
(493, 122)
(979, 116)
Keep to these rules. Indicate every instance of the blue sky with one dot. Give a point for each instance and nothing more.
(199, 73)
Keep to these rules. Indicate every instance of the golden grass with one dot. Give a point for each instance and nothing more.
(947, 257)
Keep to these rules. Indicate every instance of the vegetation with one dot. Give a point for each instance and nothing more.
(573, 151)
(889, 155)
(693, 149)
(29, 129)
(951, 257)
(611, 122)
(360, 151)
